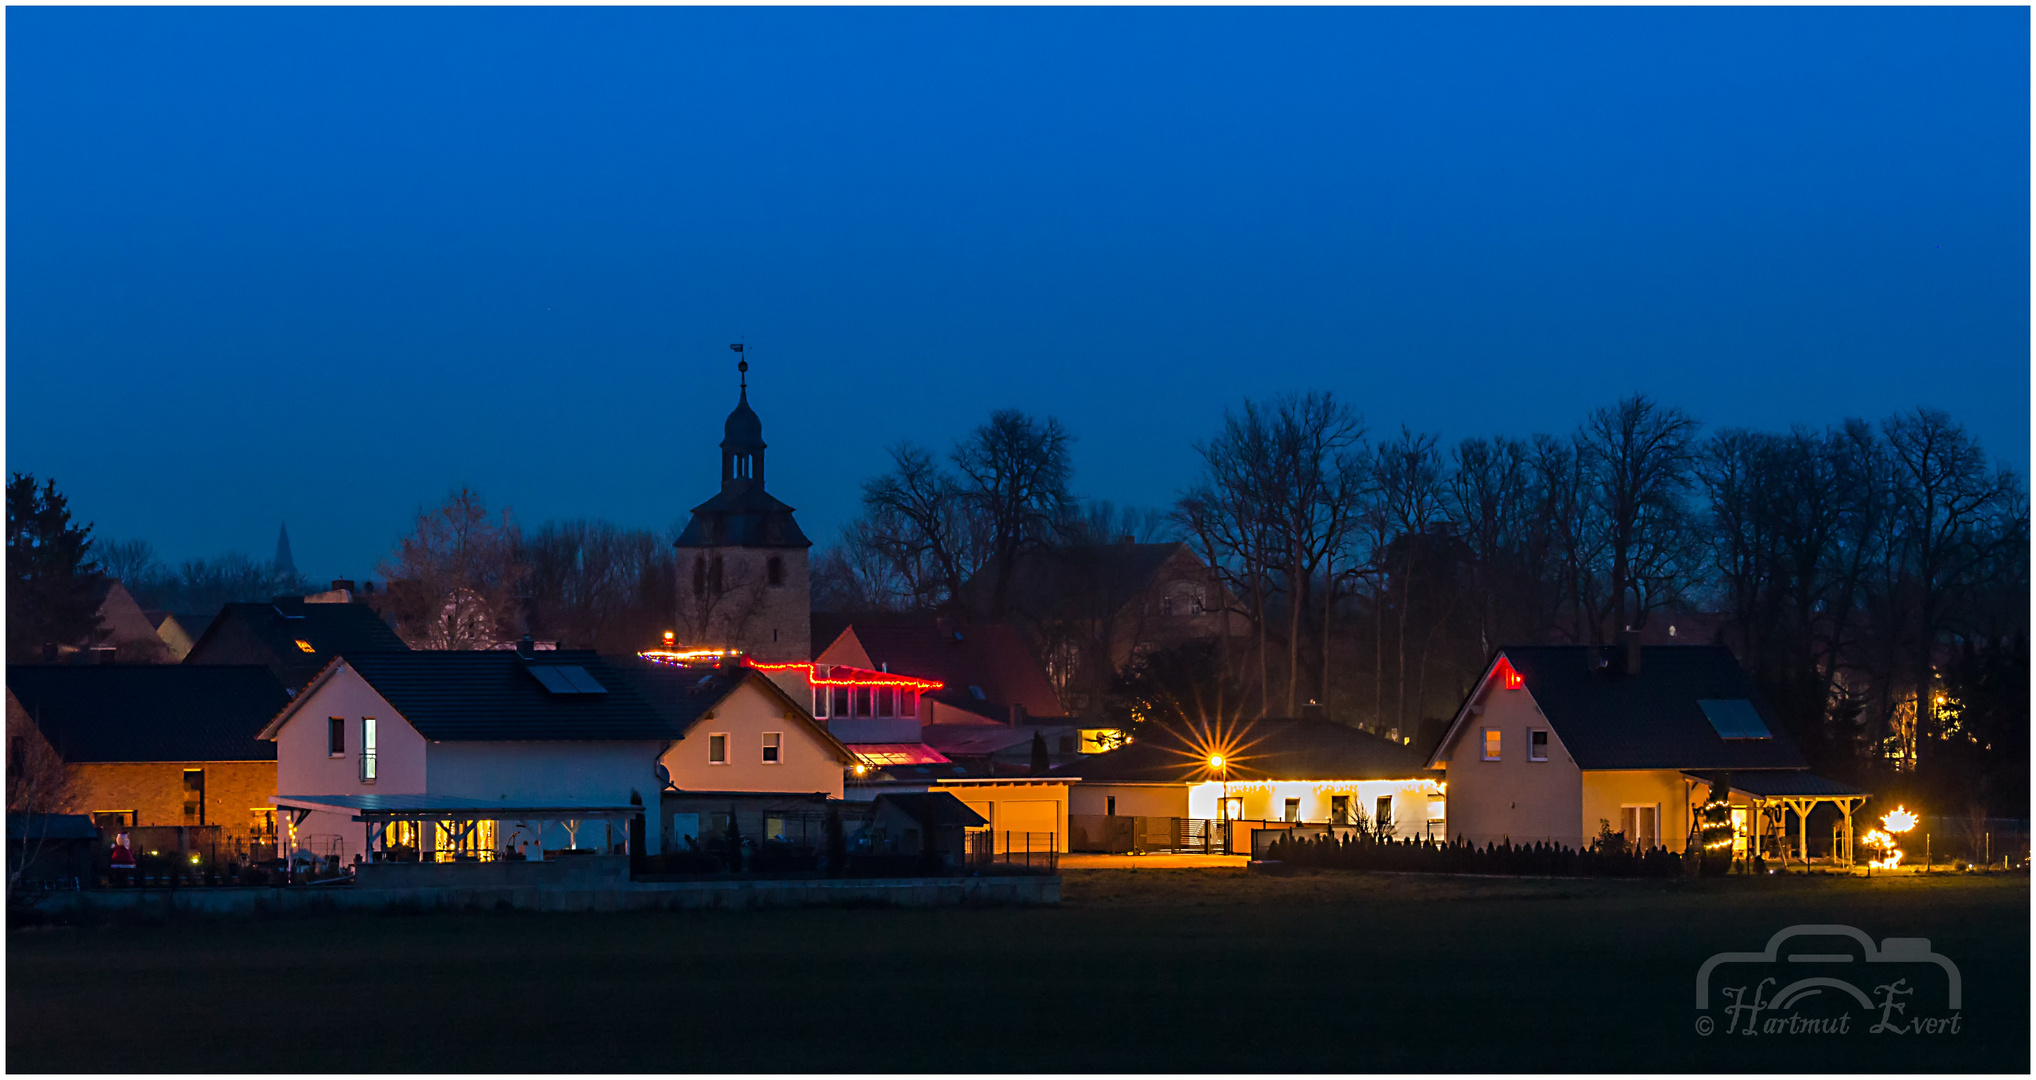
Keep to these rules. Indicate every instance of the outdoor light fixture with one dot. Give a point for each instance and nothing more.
(1215, 761)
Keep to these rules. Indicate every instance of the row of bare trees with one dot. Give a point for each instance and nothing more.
(1857, 571)
(1866, 573)
(466, 578)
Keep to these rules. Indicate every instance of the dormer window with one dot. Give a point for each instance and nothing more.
(305, 646)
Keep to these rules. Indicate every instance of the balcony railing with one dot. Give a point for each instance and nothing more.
(367, 766)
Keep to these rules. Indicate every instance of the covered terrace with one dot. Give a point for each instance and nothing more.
(1772, 795)
(451, 828)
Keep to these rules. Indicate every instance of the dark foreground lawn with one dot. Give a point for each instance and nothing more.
(1153, 970)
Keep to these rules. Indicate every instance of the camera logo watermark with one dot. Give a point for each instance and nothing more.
(1828, 979)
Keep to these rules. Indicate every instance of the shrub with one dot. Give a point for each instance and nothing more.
(1362, 852)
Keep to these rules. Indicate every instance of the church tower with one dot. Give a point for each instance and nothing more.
(742, 561)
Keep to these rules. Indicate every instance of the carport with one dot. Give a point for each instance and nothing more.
(1793, 790)
(462, 821)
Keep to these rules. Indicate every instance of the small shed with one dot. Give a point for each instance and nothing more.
(908, 823)
(53, 849)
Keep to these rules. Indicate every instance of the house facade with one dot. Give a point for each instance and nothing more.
(522, 730)
(1560, 743)
(154, 745)
(1269, 773)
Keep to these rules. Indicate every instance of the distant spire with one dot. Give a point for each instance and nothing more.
(284, 565)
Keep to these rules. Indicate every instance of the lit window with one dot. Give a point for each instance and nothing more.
(773, 746)
(1491, 744)
(304, 646)
(1537, 745)
(1293, 810)
(367, 749)
(717, 749)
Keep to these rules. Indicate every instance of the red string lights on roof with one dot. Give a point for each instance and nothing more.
(844, 675)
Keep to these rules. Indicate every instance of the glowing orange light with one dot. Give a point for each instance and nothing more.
(305, 646)
(669, 639)
(854, 677)
(1215, 761)
(861, 769)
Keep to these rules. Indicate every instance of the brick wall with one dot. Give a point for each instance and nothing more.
(154, 790)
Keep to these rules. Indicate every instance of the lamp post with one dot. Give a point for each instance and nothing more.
(1217, 763)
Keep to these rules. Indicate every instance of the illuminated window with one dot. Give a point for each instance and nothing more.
(773, 747)
(367, 749)
(717, 748)
(1339, 809)
(304, 646)
(1491, 744)
(1293, 810)
(1537, 745)
(1641, 826)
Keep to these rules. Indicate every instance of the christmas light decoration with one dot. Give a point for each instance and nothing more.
(1899, 820)
(844, 675)
(1508, 677)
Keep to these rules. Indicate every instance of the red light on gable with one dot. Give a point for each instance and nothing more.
(1509, 678)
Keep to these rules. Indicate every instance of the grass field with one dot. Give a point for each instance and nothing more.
(1139, 970)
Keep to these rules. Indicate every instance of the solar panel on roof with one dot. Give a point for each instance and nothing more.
(1734, 718)
(566, 679)
(581, 680)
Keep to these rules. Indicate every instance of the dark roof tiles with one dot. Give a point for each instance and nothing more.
(1653, 719)
(1270, 749)
(151, 712)
(488, 695)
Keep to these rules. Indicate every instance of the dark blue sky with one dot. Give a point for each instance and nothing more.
(320, 265)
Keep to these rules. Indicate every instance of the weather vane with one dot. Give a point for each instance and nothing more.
(742, 365)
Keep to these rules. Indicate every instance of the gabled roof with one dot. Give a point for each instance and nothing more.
(1270, 749)
(268, 634)
(932, 809)
(991, 656)
(150, 712)
(1608, 719)
(683, 694)
(495, 695)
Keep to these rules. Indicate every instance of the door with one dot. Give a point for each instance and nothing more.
(194, 796)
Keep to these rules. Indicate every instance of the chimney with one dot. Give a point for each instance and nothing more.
(526, 648)
(1629, 647)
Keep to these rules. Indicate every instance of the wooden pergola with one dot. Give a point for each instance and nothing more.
(1798, 791)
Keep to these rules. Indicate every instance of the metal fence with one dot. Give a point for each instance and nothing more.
(1117, 835)
(1034, 850)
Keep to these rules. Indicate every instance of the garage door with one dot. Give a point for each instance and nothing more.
(1040, 817)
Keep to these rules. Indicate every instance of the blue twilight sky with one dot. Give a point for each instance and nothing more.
(319, 265)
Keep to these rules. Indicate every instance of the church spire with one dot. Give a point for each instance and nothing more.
(284, 565)
(742, 444)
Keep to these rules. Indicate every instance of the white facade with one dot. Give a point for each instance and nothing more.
(405, 763)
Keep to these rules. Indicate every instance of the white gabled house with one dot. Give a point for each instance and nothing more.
(524, 751)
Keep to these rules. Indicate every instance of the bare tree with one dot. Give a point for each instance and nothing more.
(1015, 474)
(454, 580)
(1948, 495)
(593, 585)
(1408, 478)
(1639, 454)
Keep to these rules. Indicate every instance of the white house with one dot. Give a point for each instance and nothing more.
(520, 730)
